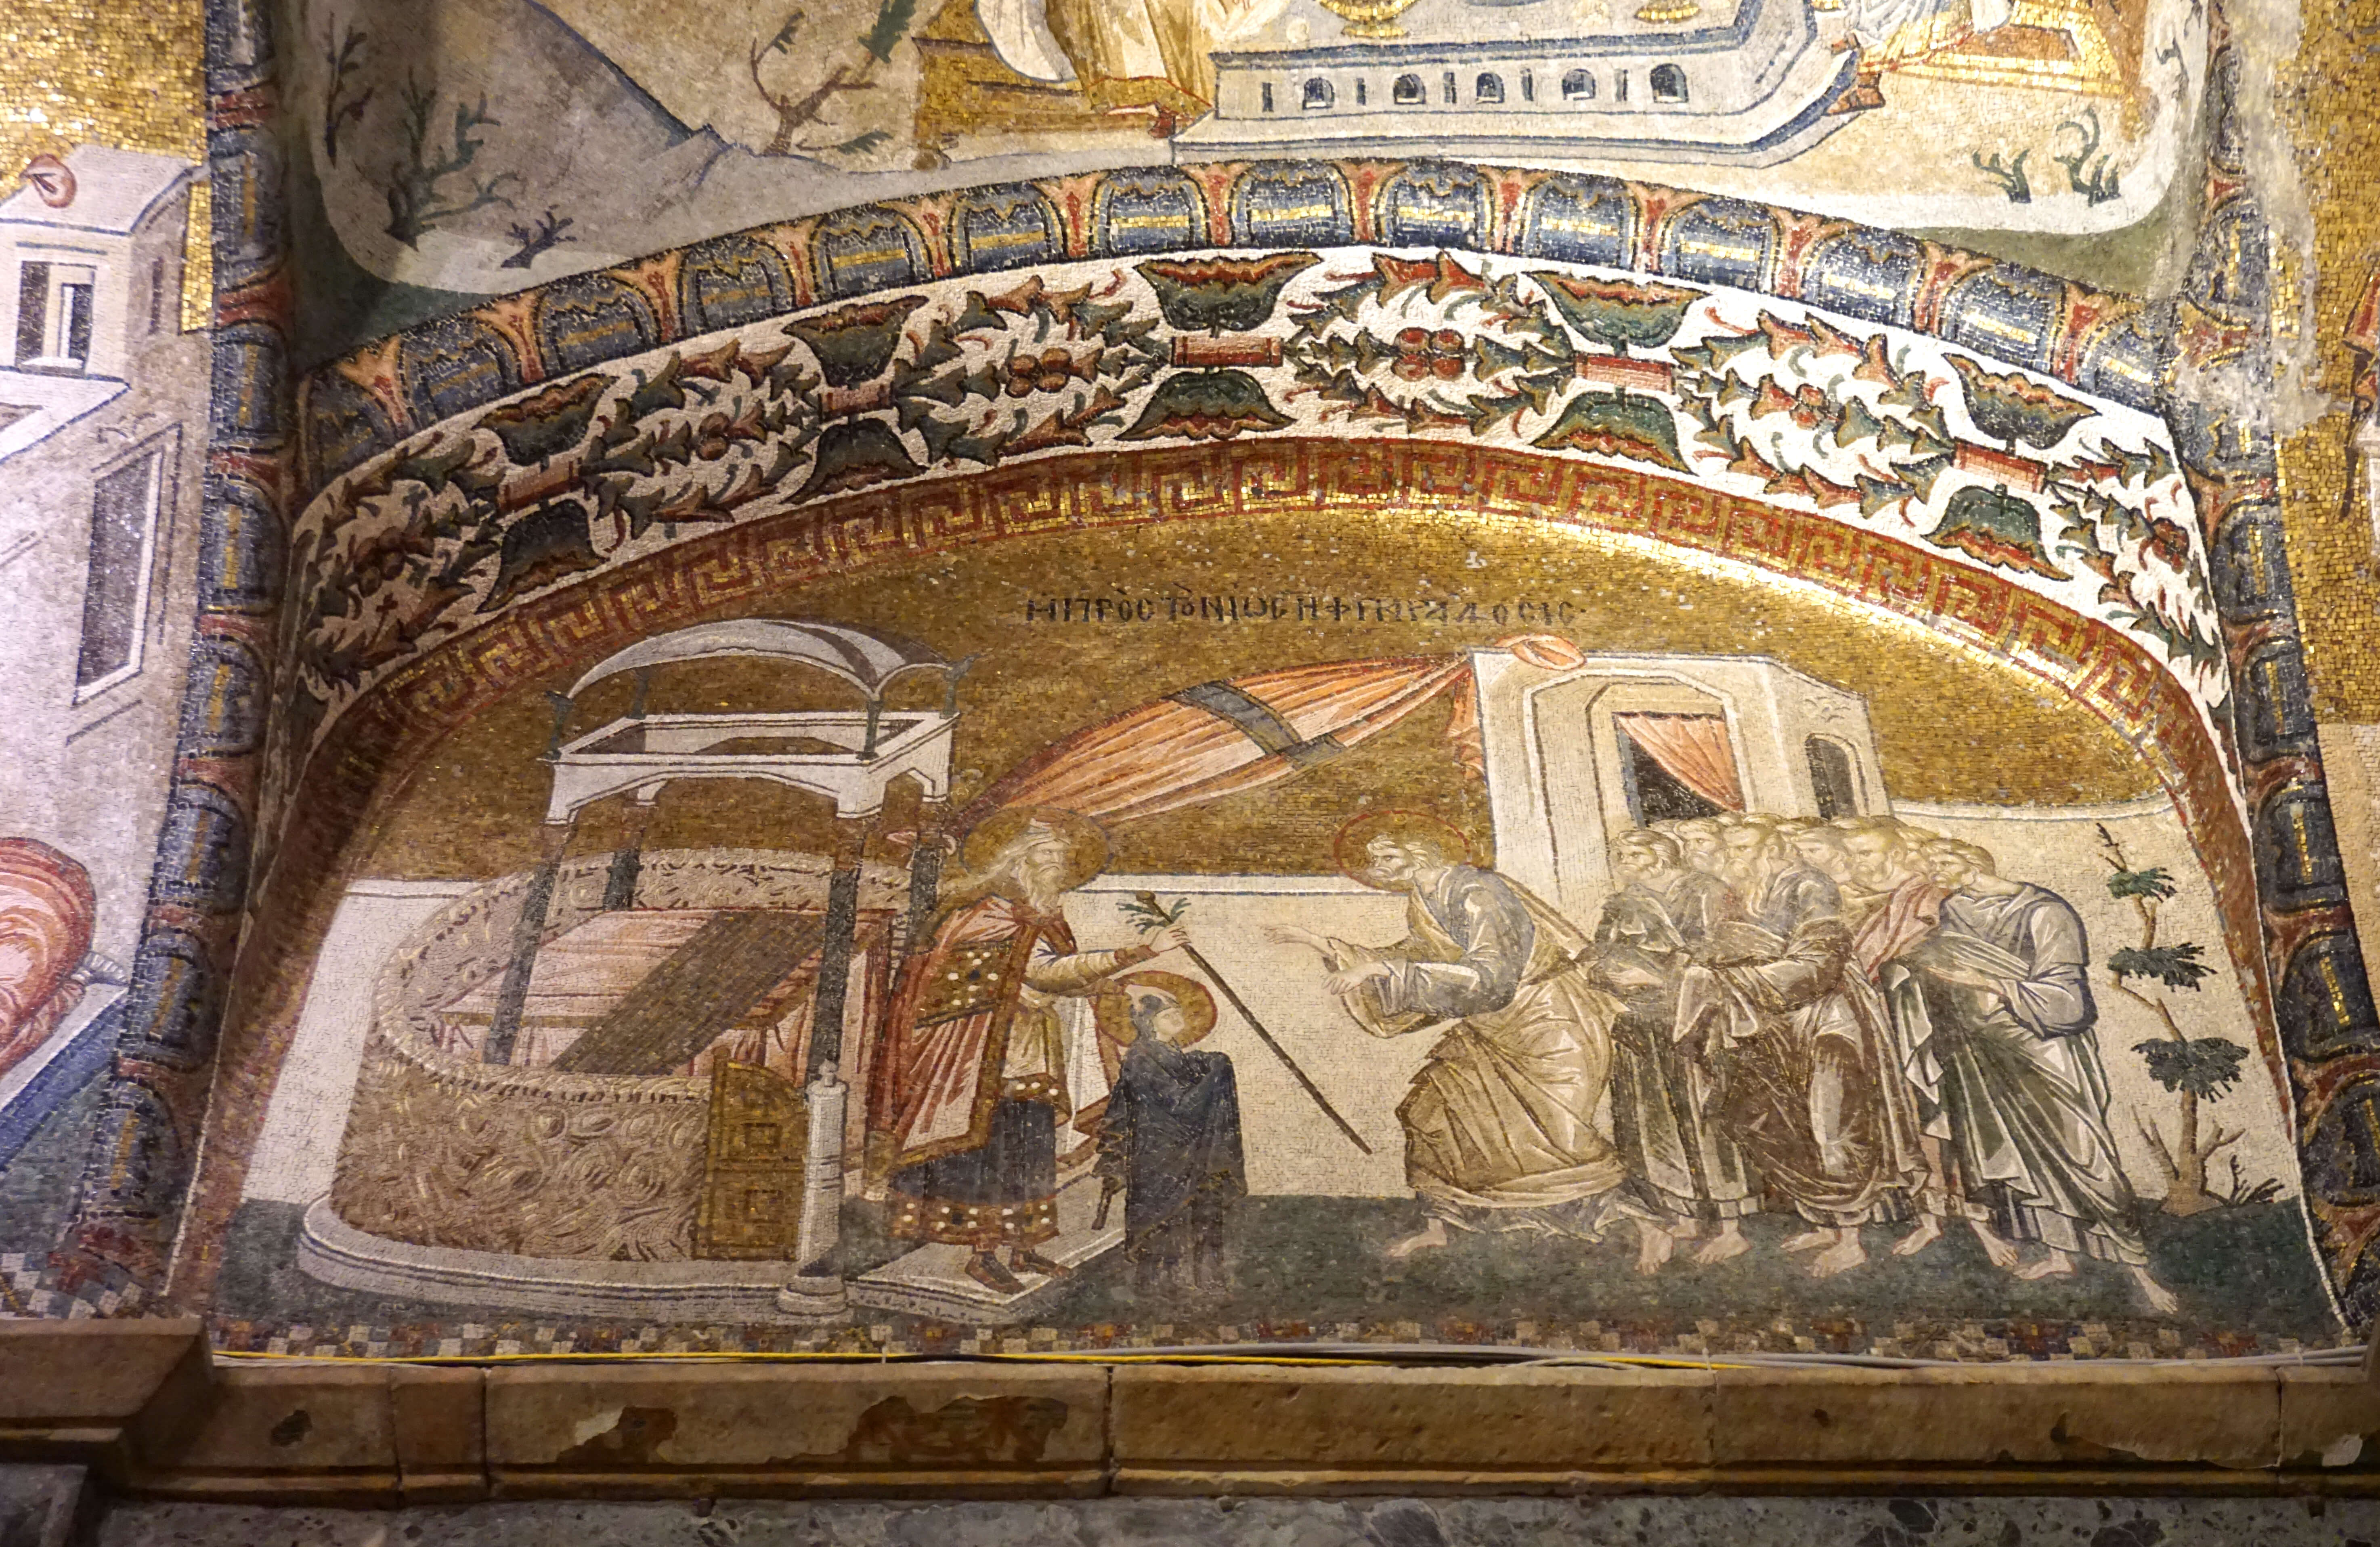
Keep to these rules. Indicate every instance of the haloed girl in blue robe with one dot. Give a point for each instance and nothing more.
(1171, 1136)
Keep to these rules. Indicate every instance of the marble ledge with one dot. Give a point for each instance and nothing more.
(169, 1427)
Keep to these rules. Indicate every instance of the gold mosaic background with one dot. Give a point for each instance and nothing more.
(125, 73)
(1949, 725)
(2321, 97)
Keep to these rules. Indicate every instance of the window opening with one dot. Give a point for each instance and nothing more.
(54, 315)
(1669, 84)
(32, 310)
(123, 550)
(1831, 778)
(76, 342)
(1654, 794)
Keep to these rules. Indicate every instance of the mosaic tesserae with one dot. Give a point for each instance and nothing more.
(962, 676)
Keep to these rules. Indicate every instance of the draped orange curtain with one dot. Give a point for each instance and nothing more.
(1221, 738)
(1692, 750)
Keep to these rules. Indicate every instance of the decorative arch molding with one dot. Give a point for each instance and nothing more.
(367, 401)
(1878, 429)
(359, 768)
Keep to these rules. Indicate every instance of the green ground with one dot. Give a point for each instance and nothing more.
(2245, 1278)
(37, 1186)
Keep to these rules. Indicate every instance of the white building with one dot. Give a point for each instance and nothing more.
(1567, 769)
(103, 440)
(1740, 81)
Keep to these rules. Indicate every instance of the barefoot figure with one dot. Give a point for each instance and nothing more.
(975, 1082)
(1797, 1049)
(1998, 1004)
(1683, 1170)
(1500, 1124)
(1892, 904)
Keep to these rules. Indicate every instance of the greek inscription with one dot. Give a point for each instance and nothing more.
(1183, 605)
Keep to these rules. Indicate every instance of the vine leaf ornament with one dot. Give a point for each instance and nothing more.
(1222, 295)
(1997, 527)
(854, 344)
(2011, 408)
(1205, 405)
(1619, 312)
(552, 422)
(1617, 424)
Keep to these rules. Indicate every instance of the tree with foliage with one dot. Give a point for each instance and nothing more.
(2194, 1068)
(421, 195)
(796, 110)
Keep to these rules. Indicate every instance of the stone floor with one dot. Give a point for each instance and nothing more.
(1685, 1522)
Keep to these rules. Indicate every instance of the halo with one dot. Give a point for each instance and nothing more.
(1086, 845)
(1348, 848)
(1115, 1014)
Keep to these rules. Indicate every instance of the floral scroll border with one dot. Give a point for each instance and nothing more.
(2188, 361)
(372, 399)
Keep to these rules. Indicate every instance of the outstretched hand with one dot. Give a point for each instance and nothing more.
(1173, 937)
(1289, 934)
(1354, 978)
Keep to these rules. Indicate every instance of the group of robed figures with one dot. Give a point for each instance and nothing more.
(1854, 1022)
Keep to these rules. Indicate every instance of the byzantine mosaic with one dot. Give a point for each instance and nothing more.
(104, 434)
(1108, 734)
(463, 145)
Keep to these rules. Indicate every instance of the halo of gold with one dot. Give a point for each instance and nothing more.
(1347, 849)
(1087, 843)
(1115, 1014)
